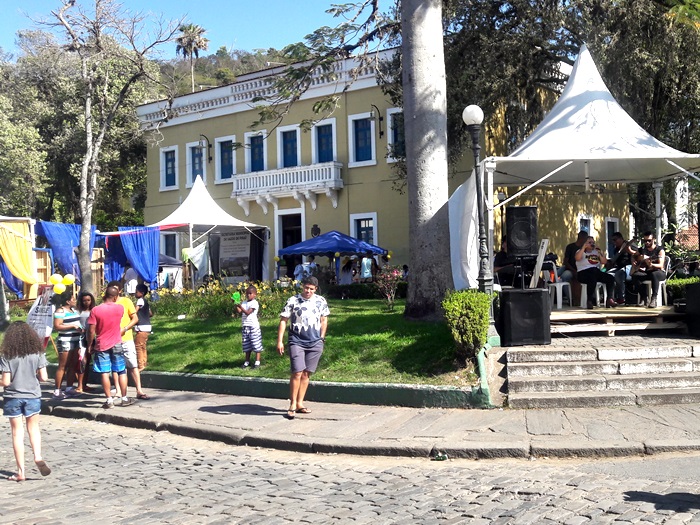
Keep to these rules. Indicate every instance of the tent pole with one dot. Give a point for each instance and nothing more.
(190, 261)
(657, 196)
(490, 166)
(538, 181)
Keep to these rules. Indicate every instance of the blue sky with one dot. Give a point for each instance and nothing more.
(236, 24)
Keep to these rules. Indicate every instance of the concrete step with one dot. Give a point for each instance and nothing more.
(646, 352)
(588, 383)
(668, 396)
(607, 368)
(605, 398)
(659, 366)
(571, 368)
(551, 354)
(653, 381)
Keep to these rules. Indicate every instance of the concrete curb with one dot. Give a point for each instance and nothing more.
(376, 394)
(517, 449)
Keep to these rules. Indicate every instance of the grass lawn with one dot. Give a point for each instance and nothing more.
(364, 343)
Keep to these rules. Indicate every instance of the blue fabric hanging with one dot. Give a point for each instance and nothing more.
(142, 246)
(115, 258)
(13, 283)
(64, 240)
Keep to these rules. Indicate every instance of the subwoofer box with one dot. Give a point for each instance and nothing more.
(524, 317)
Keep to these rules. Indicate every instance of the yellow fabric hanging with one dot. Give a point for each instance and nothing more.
(16, 250)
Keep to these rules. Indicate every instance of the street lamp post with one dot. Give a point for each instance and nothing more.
(473, 116)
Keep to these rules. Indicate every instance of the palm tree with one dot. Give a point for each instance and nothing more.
(190, 42)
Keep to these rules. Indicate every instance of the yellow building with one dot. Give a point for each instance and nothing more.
(336, 176)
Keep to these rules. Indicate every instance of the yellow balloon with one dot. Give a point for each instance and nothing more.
(277, 259)
(337, 254)
(68, 279)
(59, 288)
(55, 278)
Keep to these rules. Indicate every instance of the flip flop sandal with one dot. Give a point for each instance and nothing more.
(14, 477)
(291, 414)
(303, 410)
(43, 468)
(142, 396)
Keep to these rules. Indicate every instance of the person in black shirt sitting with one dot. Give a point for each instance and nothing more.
(504, 265)
(648, 265)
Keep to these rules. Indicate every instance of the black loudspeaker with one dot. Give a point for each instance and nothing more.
(524, 317)
(521, 228)
(692, 308)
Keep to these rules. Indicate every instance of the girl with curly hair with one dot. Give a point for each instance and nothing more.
(23, 365)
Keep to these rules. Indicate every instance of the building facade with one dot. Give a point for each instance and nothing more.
(338, 175)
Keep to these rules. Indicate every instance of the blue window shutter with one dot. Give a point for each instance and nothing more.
(397, 137)
(289, 149)
(363, 139)
(257, 162)
(324, 142)
(197, 168)
(170, 169)
(226, 156)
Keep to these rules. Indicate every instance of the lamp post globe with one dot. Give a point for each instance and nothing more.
(473, 115)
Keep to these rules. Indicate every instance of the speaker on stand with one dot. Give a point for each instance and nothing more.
(521, 225)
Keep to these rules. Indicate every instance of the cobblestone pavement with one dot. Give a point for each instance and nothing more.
(109, 474)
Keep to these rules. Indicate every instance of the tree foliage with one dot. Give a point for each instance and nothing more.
(110, 52)
(190, 42)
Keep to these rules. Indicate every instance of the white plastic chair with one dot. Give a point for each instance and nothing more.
(556, 288)
(661, 292)
(598, 288)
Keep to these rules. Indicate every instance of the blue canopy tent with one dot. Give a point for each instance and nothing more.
(330, 243)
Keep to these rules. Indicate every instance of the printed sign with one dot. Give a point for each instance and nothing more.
(40, 316)
(234, 254)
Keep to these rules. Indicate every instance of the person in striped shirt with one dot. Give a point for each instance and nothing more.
(66, 321)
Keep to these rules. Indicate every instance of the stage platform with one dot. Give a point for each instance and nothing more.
(571, 321)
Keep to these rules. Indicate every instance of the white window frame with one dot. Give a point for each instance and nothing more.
(246, 142)
(354, 217)
(390, 133)
(352, 163)
(588, 217)
(163, 151)
(314, 139)
(217, 162)
(177, 243)
(205, 160)
(289, 211)
(614, 220)
(280, 145)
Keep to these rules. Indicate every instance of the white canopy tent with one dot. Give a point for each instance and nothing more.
(587, 138)
(200, 214)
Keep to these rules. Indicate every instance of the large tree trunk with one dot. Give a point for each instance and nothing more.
(425, 118)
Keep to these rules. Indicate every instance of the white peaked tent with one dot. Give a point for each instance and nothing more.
(200, 214)
(586, 138)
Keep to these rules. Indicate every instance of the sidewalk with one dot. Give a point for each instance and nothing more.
(401, 431)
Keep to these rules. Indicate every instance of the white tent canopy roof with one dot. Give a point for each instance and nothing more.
(200, 212)
(589, 129)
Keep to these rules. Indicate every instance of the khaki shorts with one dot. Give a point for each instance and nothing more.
(130, 354)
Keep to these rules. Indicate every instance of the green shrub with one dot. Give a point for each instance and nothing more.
(216, 300)
(467, 315)
(360, 291)
(675, 288)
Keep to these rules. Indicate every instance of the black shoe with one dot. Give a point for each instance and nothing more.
(589, 305)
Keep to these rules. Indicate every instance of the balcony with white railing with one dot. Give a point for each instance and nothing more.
(304, 183)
